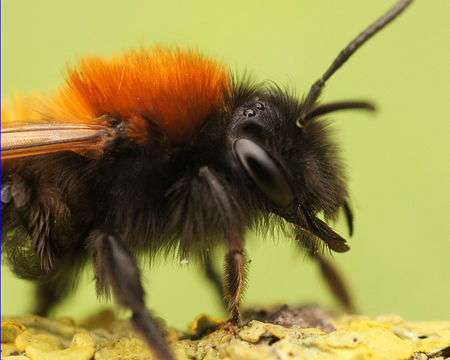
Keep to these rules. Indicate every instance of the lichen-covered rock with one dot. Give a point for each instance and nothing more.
(269, 334)
(10, 330)
(82, 348)
(124, 349)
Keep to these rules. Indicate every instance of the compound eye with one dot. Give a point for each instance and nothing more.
(264, 171)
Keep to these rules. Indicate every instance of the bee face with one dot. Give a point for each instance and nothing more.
(286, 164)
(254, 130)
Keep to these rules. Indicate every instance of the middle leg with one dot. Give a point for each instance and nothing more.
(116, 268)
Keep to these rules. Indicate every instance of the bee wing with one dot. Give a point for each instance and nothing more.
(40, 138)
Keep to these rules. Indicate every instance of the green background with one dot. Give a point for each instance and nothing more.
(397, 158)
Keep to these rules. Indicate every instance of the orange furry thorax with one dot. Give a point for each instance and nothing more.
(154, 91)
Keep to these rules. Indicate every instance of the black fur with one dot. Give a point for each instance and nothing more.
(186, 199)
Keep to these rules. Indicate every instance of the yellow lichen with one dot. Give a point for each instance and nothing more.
(204, 322)
(124, 349)
(46, 342)
(83, 348)
(10, 330)
(368, 340)
(355, 337)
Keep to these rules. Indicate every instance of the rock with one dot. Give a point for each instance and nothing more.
(273, 333)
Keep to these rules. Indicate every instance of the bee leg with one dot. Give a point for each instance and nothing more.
(47, 297)
(348, 213)
(116, 268)
(215, 279)
(51, 293)
(53, 287)
(235, 276)
(230, 218)
(37, 210)
(335, 281)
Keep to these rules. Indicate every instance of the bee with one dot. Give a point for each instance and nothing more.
(162, 150)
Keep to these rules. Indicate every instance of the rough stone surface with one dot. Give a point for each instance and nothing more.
(275, 333)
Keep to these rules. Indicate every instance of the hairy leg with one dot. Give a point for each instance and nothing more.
(116, 268)
(235, 276)
(50, 293)
(28, 215)
(231, 222)
(36, 208)
(335, 281)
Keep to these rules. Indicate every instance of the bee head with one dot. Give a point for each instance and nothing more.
(290, 166)
(284, 146)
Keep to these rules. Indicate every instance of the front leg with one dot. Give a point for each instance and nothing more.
(230, 218)
(235, 276)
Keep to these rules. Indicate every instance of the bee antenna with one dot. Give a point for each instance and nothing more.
(317, 87)
(336, 106)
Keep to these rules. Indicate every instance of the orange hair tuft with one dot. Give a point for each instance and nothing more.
(172, 88)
